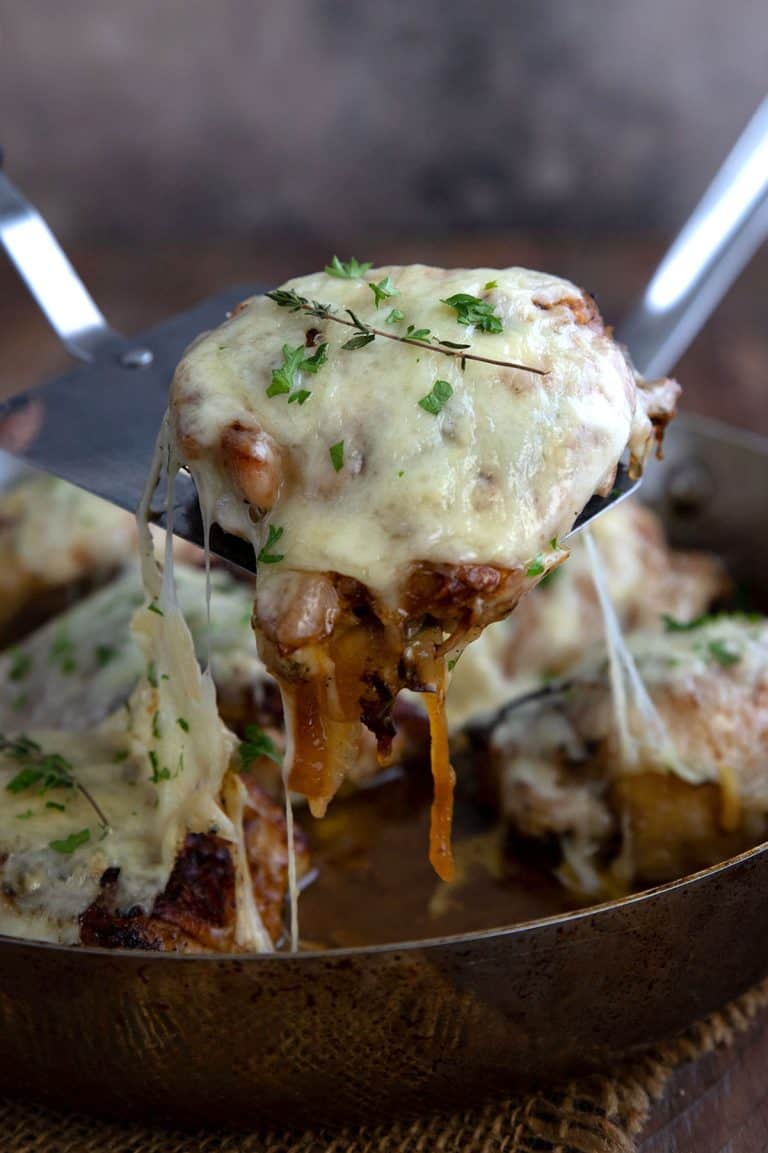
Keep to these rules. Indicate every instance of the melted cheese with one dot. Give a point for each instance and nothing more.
(155, 780)
(507, 465)
(493, 479)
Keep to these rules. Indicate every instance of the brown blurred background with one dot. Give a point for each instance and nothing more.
(178, 146)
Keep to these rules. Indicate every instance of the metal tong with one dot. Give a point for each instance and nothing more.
(96, 426)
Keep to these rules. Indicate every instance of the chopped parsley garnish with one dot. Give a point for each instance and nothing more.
(62, 653)
(183, 724)
(336, 452)
(383, 290)
(154, 607)
(722, 652)
(257, 744)
(315, 362)
(435, 400)
(152, 674)
(347, 269)
(394, 317)
(489, 284)
(473, 310)
(48, 770)
(273, 536)
(121, 755)
(453, 662)
(286, 378)
(72, 842)
(536, 567)
(104, 654)
(674, 626)
(25, 815)
(56, 805)
(158, 773)
(156, 733)
(21, 663)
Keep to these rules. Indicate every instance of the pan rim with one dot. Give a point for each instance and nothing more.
(520, 929)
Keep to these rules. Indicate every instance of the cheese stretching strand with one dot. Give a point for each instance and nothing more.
(400, 499)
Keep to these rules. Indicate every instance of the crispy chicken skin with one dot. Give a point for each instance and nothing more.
(561, 774)
(196, 912)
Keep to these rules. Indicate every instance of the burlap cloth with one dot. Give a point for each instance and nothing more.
(594, 1114)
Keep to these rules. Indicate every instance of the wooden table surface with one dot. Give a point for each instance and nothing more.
(720, 1103)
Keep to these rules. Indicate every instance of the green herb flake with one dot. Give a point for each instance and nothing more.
(273, 536)
(257, 744)
(490, 285)
(152, 674)
(358, 341)
(120, 756)
(72, 842)
(471, 310)
(154, 607)
(156, 731)
(24, 779)
(183, 724)
(401, 473)
(21, 664)
(26, 815)
(453, 662)
(384, 290)
(722, 652)
(336, 452)
(315, 362)
(435, 400)
(55, 805)
(394, 317)
(347, 269)
(300, 396)
(413, 333)
(104, 654)
(536, 567)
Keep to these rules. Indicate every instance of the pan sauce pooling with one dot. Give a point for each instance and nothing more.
(399, 499)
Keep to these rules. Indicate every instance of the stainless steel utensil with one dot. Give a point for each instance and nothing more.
(97, 425)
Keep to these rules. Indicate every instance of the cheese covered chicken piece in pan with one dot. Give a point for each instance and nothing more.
(553, 627)
(53, 538)
(400, 496)
(659, 808)
(141, 832)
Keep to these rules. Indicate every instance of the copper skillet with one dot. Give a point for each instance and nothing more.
(356, 1034)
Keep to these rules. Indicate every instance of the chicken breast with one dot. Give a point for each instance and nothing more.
(700, 793)
(405, 448)
(560, 619)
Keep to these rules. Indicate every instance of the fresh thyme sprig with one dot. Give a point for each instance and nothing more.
(46, 770)
(419, 337)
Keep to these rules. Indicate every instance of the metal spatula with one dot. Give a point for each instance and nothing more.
(96, 425)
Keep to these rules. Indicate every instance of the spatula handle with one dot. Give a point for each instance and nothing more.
(49, 276)
(724, 232)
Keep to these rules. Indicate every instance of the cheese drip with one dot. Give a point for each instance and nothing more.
(644, 739)
(197, 755)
